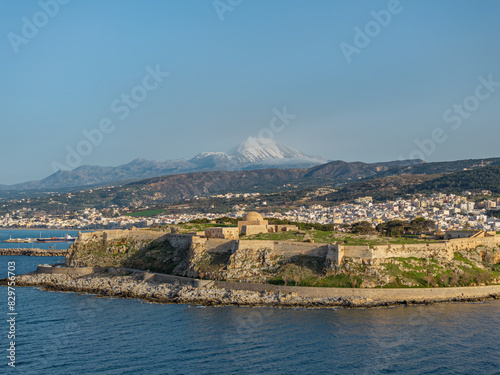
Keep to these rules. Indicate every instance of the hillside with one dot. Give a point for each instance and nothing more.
(343, 171)
(487, 178)
(441, 167)
(381, 188)
(287, 186)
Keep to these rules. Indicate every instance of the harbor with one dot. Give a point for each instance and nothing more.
(66, 238)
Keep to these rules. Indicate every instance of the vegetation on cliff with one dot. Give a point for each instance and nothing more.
(480, 266)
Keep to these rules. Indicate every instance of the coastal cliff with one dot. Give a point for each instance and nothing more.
(448, 264)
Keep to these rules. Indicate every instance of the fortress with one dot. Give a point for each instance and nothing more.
(248, 257)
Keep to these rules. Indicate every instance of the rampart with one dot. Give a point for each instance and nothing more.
(398, 295)
(214, 245)
(386, 295)
(334, 253)
(118, 234)
(180, 240)
(443, 249)
(70, 271)
(363, 297)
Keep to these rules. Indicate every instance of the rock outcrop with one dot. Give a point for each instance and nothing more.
(116, 283)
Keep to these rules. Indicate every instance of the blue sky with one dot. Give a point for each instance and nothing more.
(228, 71)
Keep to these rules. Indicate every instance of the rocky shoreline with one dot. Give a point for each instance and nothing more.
(115, 283)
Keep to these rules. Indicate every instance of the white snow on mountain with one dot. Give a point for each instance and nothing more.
(253, 153)
(254, 150)
(258, 152)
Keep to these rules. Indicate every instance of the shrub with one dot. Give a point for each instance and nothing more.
(483, 277)
(277, 281)
(444, 280)
(466, 279)
(454, 279)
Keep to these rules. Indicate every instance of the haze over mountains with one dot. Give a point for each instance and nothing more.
(253, 153)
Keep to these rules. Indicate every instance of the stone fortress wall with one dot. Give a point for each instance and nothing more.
(337, 252)
(443, 249)
(120, 234)
(333, 253)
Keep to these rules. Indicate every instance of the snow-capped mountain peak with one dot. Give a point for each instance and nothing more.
(254, 150)
(215, 155)
(256, 153)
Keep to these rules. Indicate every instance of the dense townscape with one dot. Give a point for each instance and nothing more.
(449, 212)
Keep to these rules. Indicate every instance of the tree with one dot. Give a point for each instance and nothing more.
(362, 227)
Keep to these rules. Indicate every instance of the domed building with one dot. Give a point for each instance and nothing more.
(253, 217)
(253, 223)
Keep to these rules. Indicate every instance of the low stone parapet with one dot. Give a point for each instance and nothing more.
(70, 271)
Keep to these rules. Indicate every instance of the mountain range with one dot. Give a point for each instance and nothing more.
(255, 165)
(282, 187)
(251, 154)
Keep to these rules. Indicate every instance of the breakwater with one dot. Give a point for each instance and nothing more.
(33, 252)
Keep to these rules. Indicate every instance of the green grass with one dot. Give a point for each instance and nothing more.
(281, 236)
(410, 240)
(334, 281)
(347, 239)
(428, 273)
(188, 227)
(460, 257)
(318, 237)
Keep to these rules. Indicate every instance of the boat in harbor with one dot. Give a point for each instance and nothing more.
(66, 238)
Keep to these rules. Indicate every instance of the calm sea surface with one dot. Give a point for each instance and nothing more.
(5, 234)
(67, 333)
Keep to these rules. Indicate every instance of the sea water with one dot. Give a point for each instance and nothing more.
(69, 333)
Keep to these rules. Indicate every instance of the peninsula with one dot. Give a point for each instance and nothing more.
(259, 263)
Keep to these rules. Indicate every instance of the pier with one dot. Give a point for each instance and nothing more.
(20, 240)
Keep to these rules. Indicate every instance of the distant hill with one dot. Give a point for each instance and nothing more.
(342, 170)
(288, 185)
(390, 187)
(173, 188)
(441, 167)
(92, 175)
(487, 178)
